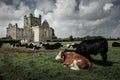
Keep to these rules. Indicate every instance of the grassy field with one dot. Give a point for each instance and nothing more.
(23, 64)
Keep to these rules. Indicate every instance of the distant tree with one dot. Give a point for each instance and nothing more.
(71, 38)
(87, 37)
(54, 37)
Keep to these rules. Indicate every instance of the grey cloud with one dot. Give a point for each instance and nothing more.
(102, 22)
(67, 17)
(9, 14)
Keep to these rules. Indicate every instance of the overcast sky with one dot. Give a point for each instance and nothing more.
(68, 17)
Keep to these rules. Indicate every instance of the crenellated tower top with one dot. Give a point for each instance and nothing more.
(30, 21)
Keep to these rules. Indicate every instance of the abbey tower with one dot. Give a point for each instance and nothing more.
(33, 30)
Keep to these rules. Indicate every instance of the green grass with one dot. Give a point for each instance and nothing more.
(43, 66)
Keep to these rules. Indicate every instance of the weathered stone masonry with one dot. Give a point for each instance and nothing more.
(33, 30)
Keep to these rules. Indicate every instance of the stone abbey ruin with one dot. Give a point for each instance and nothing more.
(33, 30)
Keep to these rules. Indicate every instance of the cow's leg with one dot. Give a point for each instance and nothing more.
(104, 57)
(74, 65)
(89, 58)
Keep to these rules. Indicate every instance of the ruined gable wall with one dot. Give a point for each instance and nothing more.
(11, 31)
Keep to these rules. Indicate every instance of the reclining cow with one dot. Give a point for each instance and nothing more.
(33, 46)
(74, 60)
(14, 43)
(72, 45)
(115, 44)
(52, 46)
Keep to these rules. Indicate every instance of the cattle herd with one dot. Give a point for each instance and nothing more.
(77, 58)
(26, 44)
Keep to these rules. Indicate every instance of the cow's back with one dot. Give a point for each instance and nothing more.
(93, 46)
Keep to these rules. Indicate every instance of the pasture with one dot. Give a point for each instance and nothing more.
(24, 64)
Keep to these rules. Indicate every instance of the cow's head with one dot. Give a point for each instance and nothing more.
(60, 56)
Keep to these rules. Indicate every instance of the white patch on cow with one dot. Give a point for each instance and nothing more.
(71, 46)
(74, 66)
(68, 45)
(24, 41)
(79, 60)
(11, 46)
(33, 48)
(58, 57)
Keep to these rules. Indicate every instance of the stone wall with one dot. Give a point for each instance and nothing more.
(19, 33)
(28, 34)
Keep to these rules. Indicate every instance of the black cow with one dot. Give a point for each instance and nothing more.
(72, 45)
(52, 46)
(33, 46)
(115, 44)
(93, 46)
(75, 45)
(14, 43)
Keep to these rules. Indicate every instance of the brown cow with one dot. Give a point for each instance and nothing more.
(73, 60)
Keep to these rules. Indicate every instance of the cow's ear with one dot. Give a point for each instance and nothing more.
(63, 56)
(60, 51)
